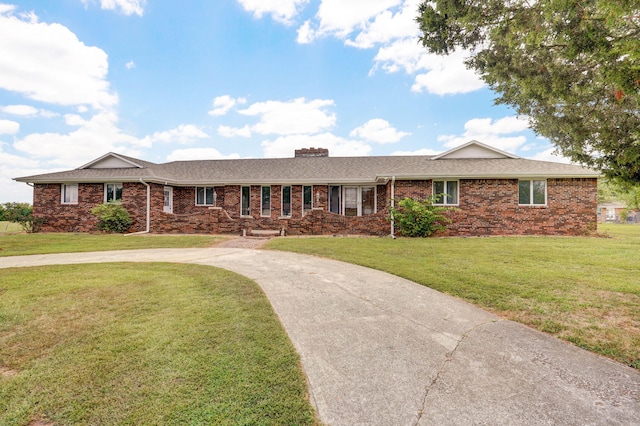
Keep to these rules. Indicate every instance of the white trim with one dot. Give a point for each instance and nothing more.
(282, 187)
(310, 208)
(249, 201)
(477, 144)
(358, 189)
(169, 208)
(63, 186)
(205, 204)
(262, 200)
(115, 201)
(444, 199)
(531, 203)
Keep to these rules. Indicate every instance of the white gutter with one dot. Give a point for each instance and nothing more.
(146, 231)
(393, 204)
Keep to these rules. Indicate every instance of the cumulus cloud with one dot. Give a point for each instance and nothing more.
(298, 116)
(128, 7)
(285, 146)
(222, 104)
(497, 133)
(389, 26)
(550, 155)
(8, 127)
(47, 62)
(183, 134)
(199, 154)
(99, 134)
(230, 132)
(130, 65)
(283, 11)
(23, 110)
(378, 130)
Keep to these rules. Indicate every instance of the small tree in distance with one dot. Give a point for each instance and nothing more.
(420, 218)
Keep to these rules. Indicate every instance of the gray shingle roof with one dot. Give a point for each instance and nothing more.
(316, 170)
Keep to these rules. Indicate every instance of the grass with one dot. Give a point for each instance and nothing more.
(132, 344)
(585, 290)
(9, 228)
(23, 244)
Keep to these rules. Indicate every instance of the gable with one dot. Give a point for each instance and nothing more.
(111, 161)
(474, 150)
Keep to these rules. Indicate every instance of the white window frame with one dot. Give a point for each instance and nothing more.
(115, 187)
(531, 201)
(213, 196)
(444, 201)
(304, 211)
(282, 213)
(242, 213)
(262, 201)
(358, 199)
(69, 189)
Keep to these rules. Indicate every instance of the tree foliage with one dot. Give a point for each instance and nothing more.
(112, 218)
(21, 213)
(420, 218)
(571, 66)
(624, 192)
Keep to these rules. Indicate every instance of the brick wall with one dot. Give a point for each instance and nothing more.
(486, 207)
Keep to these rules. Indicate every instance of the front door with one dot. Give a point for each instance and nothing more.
(168, 199)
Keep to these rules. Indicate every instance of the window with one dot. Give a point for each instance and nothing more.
(307, 199)
(334, 199)
(245, 208)
(359, 200)
(286, 201)
(205, 196)
(69, 193)
(532, 192)
(446, 192)
(113, 192)
(265, 201)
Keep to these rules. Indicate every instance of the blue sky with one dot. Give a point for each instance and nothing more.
(163, 81)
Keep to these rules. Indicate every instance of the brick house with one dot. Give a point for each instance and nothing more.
(496, 193)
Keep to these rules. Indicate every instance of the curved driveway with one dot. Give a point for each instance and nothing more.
(378, 349)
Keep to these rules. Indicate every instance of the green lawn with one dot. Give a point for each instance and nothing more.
(22, 244)
(139, 344)
(585, 290)
(9, 228)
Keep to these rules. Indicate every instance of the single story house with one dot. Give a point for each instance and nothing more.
(494, 192)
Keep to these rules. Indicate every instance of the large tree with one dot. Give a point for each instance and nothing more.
(571, 66)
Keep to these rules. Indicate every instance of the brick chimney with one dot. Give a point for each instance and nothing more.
(312, 152)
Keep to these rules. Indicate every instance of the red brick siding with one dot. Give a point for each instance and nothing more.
(486, 207)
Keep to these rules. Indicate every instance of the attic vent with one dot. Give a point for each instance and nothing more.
(312, 152)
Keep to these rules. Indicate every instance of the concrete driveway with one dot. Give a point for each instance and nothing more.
(381, 350)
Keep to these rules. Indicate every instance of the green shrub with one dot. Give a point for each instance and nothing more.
(21, 213)
(112, 218)
(419, 218)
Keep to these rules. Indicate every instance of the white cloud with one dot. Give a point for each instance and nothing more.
(199, 154)
(298, 116)
(378, 130)
(128, 7)
(8, 127)
(48, 63)
(340, 18)
(230, 132)
(282, 11)
(550, 155)
(130, 65)
(95, 136)
(183, 134)
(389, 26)
(285, 146)
(491, 132)
(14, 166)
(222, 104)
(24, 110)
